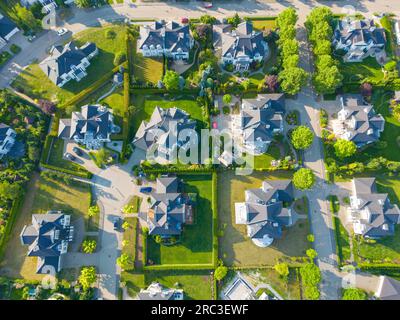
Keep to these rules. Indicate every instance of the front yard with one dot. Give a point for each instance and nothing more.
(195, 245)
(236, 249)
(35, 84)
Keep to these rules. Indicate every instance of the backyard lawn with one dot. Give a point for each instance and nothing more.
(264, 160)
(236, 249)
(190, 249)
(263, 25)
(129, 237)
(146, 104)
(355, 72)
(196, 284)
(34, 82)
(146, 69)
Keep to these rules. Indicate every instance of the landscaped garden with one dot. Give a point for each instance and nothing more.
(189, 250)
(236, 248)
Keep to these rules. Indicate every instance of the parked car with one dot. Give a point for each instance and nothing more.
(208, 5)
(184, 20)
(146, 189)
(215, 125)
(77, 151)
(117, 224)
(69, 156)
(62, 31)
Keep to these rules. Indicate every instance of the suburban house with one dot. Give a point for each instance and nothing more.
(241, 289)
(48, 5)
(48, 237)
(359, 39)
(161, 134)
(259, 120)
(241, 46)
(68, 62)
(156, 291)
(266, 210)
(7, 139)
(7, 30)
(358, 122)
(388, 289)
(371, 213)
(91, 127)
(169, 208)
(165, 39)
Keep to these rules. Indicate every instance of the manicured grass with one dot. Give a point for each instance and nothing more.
(190, 249)
(144, 107)
(146, 69)
(263, 25)
(264, 160)
(236, 248)
(386, 249)
(289, 290)
(342, 241)
(35, 83)
(196, 285)
(135, 203)
(134, 282)
(354, 72)
(130, 237)
(56, 157)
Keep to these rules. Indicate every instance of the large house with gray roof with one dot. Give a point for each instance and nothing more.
(240, 46)
(169, 208)
(48, 238)
(161, 135)
(371, 213)
(48, 5)
(259, 121)
(165, 39)
(156, 291)
(68, 62)
(266, 210)
(359, 39)
(7, 139)
(7, 30)
(358, 122)
(91, 127)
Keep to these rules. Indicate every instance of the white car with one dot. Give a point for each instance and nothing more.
(62, 31)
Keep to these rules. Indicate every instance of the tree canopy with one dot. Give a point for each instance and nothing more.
(354, 294)
(87, 277)
(303, 179)
(344, 148)
(220, 272)
(302, 137)
(171, 80)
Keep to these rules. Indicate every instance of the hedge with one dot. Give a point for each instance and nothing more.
(86, 175)
(339, 252)
(15, 208)
(178, 170)
(46, 149)
(215, 218)
(84, 93)
(261, 18)
(146, 90)
(144, 249)
(199, 266)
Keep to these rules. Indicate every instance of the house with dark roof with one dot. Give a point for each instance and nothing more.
(359, 39)
(259, 120)
(156, 291)
(165, 39)
(371, 213)
(7, 30)
(358, 122)
(68, 62)
(169, 208)
(162, 134)
(91, 127)
(240, 46)
(7, 139)
(265, 211)
(47, 239)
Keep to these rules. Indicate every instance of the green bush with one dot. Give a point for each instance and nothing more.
(15, 49)
(120, 57)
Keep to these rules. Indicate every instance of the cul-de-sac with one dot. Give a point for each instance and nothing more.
(190, 150)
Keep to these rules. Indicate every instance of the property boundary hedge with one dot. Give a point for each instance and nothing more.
(86, 175)
(46, 149)
(15, 208)
(197, 266)
(214, 206)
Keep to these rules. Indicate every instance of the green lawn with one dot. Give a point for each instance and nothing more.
(236, 248)
(190, 249)
(355, 72)
(264, 25)
(196, 285)
(146, 69)
(130, 237)
(34, 82)
(342, 240)
(56, 157)
(386, 249)
(145, 106)
(264, 160)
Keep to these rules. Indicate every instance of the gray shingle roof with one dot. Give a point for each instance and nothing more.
(6, 26)
(3, 131)
(389, 289)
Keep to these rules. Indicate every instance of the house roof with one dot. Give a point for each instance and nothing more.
(242, 41)
(3, 131)
(157, 292)
(358, 32)
(63, 58)
(6, 26)
(171, 36)
(388, 289)
(263, 210)
(93, 119)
